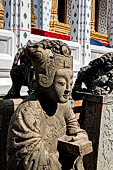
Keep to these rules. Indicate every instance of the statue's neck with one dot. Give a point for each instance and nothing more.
(48, 105)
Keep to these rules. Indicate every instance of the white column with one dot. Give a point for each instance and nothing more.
(24, 21)
(8, 14)
(17, 18)
(69, 11)
(75, 19)
(42, 9)
(46, 14)
(38, 13)
(80, 27)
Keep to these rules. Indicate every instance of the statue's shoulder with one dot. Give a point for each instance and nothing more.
(29, 107)
(30, 101)
(30, 104)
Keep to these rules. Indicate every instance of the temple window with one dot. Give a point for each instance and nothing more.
(99, 21)
(58, 22)
(62, 11)
(96, 15)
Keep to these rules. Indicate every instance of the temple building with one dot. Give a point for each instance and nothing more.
(85, 25)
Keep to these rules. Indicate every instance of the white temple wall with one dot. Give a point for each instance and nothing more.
(97, 51)
(17, 22)
(7, 52)
(6, 59)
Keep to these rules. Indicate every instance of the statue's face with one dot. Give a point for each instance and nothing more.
(61, 89)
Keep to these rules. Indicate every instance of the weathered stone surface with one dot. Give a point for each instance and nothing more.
(105, 151)
(45, 116)
(96, 118)
(80, 147)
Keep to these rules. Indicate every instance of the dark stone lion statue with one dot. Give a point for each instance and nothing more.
(22, 72)
(97, 77)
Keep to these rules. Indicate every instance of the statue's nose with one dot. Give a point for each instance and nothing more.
(66, 91)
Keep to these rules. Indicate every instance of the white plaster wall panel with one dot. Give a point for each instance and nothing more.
(24, 37)
(16, 25)
(80, 27)
(75, 20)
(103, 20)
(6, 59)
(86, 33)
(40, 13)
(42, 9)
(20, 12)
(111, 23)
(36, 12)
(46, 12)
(7, 42)
(8, 14)
(97, 51)
(6, 62)
(25, 15)
(24, 22)
(5, 84)
(69, 11)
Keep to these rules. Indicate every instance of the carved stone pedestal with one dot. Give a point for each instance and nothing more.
(97, 119)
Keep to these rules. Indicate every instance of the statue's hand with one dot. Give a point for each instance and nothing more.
(79, 137)
(38, 161)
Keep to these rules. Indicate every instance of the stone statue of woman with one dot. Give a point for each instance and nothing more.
(45, 115)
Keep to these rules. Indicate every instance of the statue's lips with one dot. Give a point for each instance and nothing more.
(66, 96)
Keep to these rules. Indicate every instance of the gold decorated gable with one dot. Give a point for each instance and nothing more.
(1, 15)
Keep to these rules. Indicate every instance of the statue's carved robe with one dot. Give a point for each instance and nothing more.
(33, 136)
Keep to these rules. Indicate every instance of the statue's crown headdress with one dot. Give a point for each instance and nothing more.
(47, 56)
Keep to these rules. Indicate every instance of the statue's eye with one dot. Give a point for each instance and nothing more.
(61, 83)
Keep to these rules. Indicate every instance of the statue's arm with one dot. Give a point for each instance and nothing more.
(25, 140)
(72, 125)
